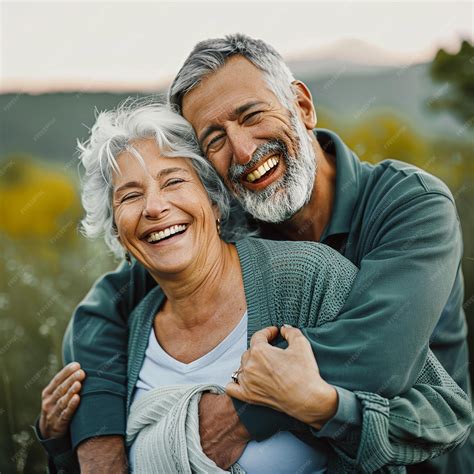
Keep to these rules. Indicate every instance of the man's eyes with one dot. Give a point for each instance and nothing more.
(249, 118)
(173, 181)
(214, 143)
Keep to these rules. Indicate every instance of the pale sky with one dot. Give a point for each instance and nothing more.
(109, 45)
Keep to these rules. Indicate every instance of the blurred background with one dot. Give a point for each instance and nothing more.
(393, 79)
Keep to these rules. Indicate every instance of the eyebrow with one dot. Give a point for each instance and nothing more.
(233, 116)
(160, 174)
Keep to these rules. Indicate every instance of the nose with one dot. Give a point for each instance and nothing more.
(154, 206)
(243, 145)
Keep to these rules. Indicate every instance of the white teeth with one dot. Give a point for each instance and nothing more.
(262, 169)
(157, 236)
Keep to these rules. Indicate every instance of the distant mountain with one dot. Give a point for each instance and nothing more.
(48, 125)
(352, 55)
(406, 91)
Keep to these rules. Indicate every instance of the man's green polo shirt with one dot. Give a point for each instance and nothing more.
(399, 225)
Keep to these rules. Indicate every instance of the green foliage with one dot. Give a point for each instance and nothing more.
(384, 135)
(46, 269)
(38, 293)
(456, 71)
(37, 201)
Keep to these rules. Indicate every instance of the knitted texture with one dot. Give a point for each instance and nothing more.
(164, 424)
(299, 283)
(302, 284)
(305, 285)
(377, 447)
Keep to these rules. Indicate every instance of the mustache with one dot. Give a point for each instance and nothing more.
(236, 171)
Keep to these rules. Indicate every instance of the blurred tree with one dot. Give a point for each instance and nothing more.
(457, 72)
(383, 135)
(37, 202)
(328, 119)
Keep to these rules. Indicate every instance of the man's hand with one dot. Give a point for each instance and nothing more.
(223, 436)
(59, 401)
(103, 455)
(287, 380)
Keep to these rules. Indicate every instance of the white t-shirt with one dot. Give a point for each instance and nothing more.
(282, 453)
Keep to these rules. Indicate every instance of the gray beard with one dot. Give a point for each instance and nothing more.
(281, 200)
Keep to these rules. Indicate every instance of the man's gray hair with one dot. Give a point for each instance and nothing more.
(113, 133)
(210, 55)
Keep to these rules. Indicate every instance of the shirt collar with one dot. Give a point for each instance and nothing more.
(347, 182)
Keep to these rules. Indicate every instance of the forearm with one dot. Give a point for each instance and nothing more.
(97, 338)
(428, 420)
(105, 454)
(61, 457)
(397, 298)
(223, 438)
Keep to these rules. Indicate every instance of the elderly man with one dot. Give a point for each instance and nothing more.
(396, 223)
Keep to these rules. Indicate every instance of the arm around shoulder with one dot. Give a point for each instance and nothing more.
(97, 338)
(406, 275)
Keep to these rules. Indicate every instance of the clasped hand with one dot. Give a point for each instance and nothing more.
(287, 380)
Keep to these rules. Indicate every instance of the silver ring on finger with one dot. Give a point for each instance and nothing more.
(235, 376)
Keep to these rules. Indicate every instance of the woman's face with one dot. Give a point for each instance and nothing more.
(162, 212)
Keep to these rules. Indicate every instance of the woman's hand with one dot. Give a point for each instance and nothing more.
(59, 401)
(287, 380)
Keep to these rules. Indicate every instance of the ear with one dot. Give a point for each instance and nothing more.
(304, 105)
(114, 228)
(216, 211)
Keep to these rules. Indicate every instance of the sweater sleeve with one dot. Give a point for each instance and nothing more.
(403, 284)
(100, 322)
(428, 420)
(61, 457)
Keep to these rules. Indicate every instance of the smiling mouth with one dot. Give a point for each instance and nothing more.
(265, 170)
(165, 234)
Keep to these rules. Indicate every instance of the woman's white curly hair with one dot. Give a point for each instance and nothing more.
(113, 132)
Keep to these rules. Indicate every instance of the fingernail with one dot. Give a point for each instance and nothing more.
(287, 326)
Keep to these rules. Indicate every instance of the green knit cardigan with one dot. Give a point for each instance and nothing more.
(305, 284)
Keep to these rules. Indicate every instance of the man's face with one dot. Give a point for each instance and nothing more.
(261, 150)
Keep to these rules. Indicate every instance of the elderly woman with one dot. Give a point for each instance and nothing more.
(154, 198)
